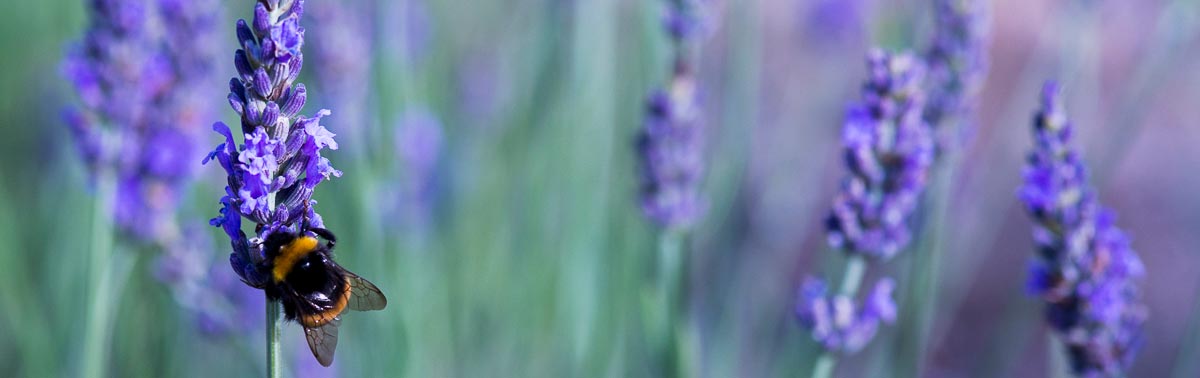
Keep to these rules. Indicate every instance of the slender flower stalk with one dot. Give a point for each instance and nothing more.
(957, 66)
(1085, 269)
(273, 173)
(671, 151)
(671, 142)
(139, 83)
(889, 149)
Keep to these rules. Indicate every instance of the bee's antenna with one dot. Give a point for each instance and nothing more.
(325, 234)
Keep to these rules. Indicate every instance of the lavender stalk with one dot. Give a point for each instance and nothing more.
(99, 313)
(1085, 269)
(957, 65)
(889, 149)
(273, 173)
(135, 131)
(670, 147)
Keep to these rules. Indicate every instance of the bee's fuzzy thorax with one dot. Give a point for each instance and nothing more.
(289, 254)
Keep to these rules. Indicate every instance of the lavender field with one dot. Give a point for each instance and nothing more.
(600, 188)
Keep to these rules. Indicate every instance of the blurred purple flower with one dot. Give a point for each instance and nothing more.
(280, 158)
(957, 62)
(686, 19)
(220, 304)
(1085, 268)
(833, 319)
(889, 149)
(831, 21)
(670, 144)
(139, 85)
(408, 35)
(342, 49)
(419, 142)
(480, 87)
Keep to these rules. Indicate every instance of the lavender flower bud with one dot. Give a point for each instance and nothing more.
(889, 149)
(833, 319)
(273, 174)
(957, 62)
(1085, 269)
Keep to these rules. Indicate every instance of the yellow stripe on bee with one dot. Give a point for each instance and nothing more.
(291, 253)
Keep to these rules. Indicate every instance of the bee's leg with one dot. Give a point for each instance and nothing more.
(325, 234)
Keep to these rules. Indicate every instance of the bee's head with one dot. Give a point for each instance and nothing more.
(275, 241)
(280, 239)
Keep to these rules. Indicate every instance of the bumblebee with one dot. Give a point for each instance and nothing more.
(313, 289)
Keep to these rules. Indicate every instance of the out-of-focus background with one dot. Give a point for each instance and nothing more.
(522, 251)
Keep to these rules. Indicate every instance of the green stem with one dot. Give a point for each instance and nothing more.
(1058, 358)
(274, 325)
(274, 329)
(856, 266)
(922, 302)
(674, 302)
(1185, 360)
(101, 272)
(852, 277)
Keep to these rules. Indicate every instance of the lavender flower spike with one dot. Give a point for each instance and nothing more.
(1085, 269)
(957, 60)
(671, 143)
(833, 320)
(273, 173)
(139, 118)
(889, 149)
(671, 148)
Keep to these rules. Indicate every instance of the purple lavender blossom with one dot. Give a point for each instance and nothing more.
(671, 146)
(833, 319)
(272, 175)
(957, 62)
(139, 84)
(671, 143)
(1085, 269)
(889, 149)
(686, 20)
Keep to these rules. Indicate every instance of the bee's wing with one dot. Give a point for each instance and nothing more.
(364, 296)
(322, 340)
